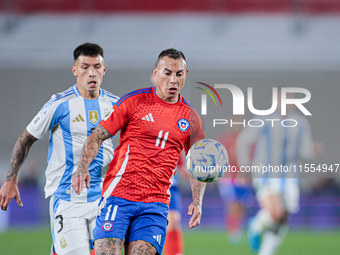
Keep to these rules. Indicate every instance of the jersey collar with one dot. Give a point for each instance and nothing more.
(76, 91)
(158, 99)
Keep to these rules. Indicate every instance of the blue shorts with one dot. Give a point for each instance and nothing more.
(132, 221)
(175, 200)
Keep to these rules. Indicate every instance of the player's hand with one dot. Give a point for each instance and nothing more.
(78, 179)
(7, 192)
(196, 213)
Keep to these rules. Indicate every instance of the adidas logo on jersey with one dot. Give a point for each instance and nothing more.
(158, 238)
(148, 118)
(79, 118)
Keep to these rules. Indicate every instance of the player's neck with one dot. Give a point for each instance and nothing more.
(91, 95)
(169, 100)
(88, 94)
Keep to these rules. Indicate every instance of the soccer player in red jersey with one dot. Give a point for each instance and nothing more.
(156, 124)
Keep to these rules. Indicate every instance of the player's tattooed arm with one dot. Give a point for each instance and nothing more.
(10, 188)
(19, 154)
(89, 152)
(195, 208)
(197, 189)
(91, 147)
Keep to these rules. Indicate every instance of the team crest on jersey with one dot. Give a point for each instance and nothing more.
(107, 226)
(183, 124)
(93, 116)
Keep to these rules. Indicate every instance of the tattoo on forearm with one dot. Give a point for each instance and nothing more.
(108, 246)
(91, 148)
(19, 154)
(197, 189)
(102, 132)
(143, 249)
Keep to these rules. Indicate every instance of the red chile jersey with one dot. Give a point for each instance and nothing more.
(153, 134)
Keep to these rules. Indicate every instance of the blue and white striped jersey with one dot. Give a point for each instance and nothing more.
(71, 119)
(276, 145)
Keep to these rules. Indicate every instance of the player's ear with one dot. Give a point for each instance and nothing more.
(155, 71)
(74, 71)
(104, 70)
(186, 73)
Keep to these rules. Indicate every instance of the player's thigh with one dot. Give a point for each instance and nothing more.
(175, 207)
(291, 196)
(70, 232)
(174, 218)
(272, 202)
(140, 247)
(114, 218)
(149, 225)
(71, 235)
(111, 246)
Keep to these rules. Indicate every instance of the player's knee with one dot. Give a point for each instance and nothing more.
(76, 251)
(174, 218)
(108, 245)
(140, 246)
(279, 216)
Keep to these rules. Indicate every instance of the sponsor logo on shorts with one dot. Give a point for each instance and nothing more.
(107, 226)
(158, 238)
(183, 124)
(63, 242)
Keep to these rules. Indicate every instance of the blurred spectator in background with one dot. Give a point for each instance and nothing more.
(235, 190)
(70, 116)
(30, 177)
(277, 192)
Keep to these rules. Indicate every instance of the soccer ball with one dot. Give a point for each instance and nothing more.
(207, 160)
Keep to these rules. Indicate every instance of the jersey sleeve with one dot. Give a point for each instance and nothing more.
(196, 129)
(45, 119)
(118, 117)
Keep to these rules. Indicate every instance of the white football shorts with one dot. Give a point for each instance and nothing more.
(288, 188)
(72, 226)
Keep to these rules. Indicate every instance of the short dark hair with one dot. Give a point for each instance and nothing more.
(88, 49)
(171, 53)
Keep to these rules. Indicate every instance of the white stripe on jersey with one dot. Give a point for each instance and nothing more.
(276, 146)
(119, 175)
(67, 115)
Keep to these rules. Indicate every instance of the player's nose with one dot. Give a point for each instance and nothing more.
(92, 72)
(173, 78)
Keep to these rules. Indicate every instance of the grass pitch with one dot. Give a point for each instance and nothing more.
(197, 242)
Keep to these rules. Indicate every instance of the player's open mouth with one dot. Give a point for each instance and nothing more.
(172, 90)
(92, 83)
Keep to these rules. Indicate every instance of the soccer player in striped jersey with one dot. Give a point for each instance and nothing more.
(276, 192)
(156, 123)
(70, 116)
